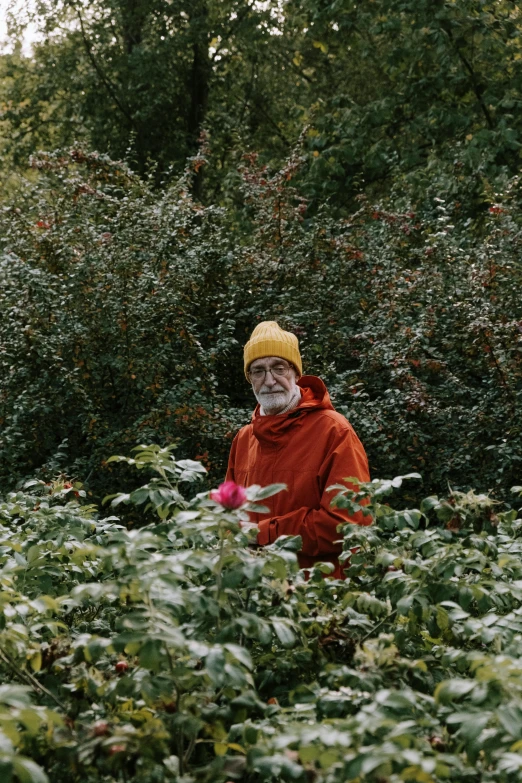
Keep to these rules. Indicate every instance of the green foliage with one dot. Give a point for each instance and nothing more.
(125, 311)
(177, 652)
(411, 91)
(81, 372)
(156, 643)
(144, 78)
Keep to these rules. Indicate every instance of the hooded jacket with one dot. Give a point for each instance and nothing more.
(308, 449)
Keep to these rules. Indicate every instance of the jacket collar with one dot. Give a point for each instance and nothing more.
(271, 430)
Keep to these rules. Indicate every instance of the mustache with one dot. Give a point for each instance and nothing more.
(264, 390)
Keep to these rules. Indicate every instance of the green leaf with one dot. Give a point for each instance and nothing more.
(150, 655)
(442, 618)
(288, 543)
(33, 553)
(31, 720)
(241, 654)
(267, 492)
(448, 690)
(28, 772)
(284, 633)
(322, 46)
(309, 753)
(215, 665)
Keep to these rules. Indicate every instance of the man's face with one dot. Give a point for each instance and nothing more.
(274, 389)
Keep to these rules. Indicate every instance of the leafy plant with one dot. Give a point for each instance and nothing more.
(175, 651)
(125, 312)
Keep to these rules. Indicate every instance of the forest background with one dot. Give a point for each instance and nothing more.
(174, 172)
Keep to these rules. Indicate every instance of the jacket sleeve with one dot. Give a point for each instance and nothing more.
(317, 527)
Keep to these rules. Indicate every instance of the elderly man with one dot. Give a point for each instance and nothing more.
(297, 438)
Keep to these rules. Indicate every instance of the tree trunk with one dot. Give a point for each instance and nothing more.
(133, 17)
(199, 85)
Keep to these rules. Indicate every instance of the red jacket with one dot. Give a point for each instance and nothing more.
(308, 449)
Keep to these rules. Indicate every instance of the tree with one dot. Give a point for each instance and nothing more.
(391, 89)
(149, 76)
(411, 90)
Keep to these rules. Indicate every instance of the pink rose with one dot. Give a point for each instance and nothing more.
(229, 495)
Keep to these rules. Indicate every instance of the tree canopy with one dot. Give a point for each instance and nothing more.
(389, 90)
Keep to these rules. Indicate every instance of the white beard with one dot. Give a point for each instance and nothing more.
(277, 399)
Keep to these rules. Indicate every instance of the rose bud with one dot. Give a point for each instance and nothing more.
(229, 495)
(121, 667)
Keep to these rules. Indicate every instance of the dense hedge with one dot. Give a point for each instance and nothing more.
(124, 310)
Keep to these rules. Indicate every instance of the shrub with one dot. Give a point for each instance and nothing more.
(125, 311)
(176, 652)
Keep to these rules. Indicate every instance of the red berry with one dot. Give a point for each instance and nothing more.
(121, 667)
(100, 728)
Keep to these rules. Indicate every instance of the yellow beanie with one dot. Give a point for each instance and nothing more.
(268, 339)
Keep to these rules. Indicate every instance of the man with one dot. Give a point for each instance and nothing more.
(296, 438)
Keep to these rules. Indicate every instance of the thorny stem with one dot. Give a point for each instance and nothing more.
(179, 738)
(19, 674)
(181, 757)
(372, 632)
(219, 570)
(27, 677)
(189, 750)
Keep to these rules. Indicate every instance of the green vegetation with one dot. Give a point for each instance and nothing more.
(392, 90)
(175, 652)
(125, 311)
(173, 173)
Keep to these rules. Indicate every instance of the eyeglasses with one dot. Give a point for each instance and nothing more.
(279, 371)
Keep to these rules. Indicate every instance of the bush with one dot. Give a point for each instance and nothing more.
(126, 309)
(176, 652)
(101, 337)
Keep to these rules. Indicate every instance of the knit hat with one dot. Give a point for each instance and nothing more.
(268, 339)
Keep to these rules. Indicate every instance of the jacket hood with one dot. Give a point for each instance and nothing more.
(314, 396)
